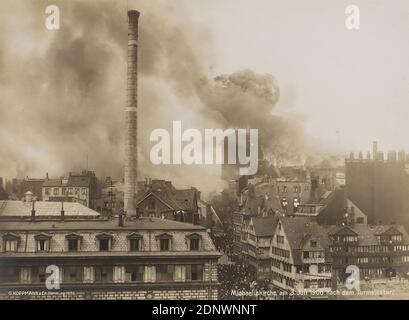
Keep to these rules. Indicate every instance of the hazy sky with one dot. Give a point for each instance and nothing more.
(351, 86)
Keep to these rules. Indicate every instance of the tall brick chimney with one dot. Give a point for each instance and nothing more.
(131, 158)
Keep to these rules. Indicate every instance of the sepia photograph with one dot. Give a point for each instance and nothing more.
(230, 152)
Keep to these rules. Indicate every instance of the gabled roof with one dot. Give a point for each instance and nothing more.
(11, 235)
(134, 235)
(263, 195)
(367, 235)
(297, 230)
(53, 183)
(264, 226)
(345, 231)
(164, 236)
(79, 181)
(73, 235)
(42, 235)
(389, 231)
(162, 199)
(104, 235)
(174, 199)
(193, 235)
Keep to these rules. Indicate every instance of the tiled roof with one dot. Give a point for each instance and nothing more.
(297, 229)
(263, 195)
(367, 235)
(44, 208)
(264, 226)
(186, 198)
(183, 199)
(52, 183)
(79, 181)
(101, 224)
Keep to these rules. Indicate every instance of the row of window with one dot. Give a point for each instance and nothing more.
(280, 252)
(322, 268)
(105, 274)
(315, 284)
(283, 279)
(350, 238)
(42, 242)
(401, 248)
(65, 191)
(360, 260)
(313, 254)
(401, 259)
(369, 260)
(368, 249)
(382, 238)
(390, 238)
(296, 189)
(287, 267)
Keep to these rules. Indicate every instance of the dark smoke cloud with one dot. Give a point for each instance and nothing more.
(63, 92)
(245, 99)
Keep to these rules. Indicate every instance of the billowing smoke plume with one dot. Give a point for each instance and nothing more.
(63, 92)
(245, 99)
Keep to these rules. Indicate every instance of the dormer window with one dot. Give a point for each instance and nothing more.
(104, 241)
(194, 241)
(135, 242)
(194, 244)
(396, 238)
(313, 243)
(11, 241)
(74, 241)
(164, 244)
(350, 239)
(42, 242)
(165, 241)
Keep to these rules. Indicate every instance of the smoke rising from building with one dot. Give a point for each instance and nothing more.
(63, 92)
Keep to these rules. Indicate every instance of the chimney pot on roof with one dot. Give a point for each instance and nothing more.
(28, 196)
(33, 212)
(120, 219)
(62, 211)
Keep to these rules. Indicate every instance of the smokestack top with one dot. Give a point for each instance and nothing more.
(133, 14)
